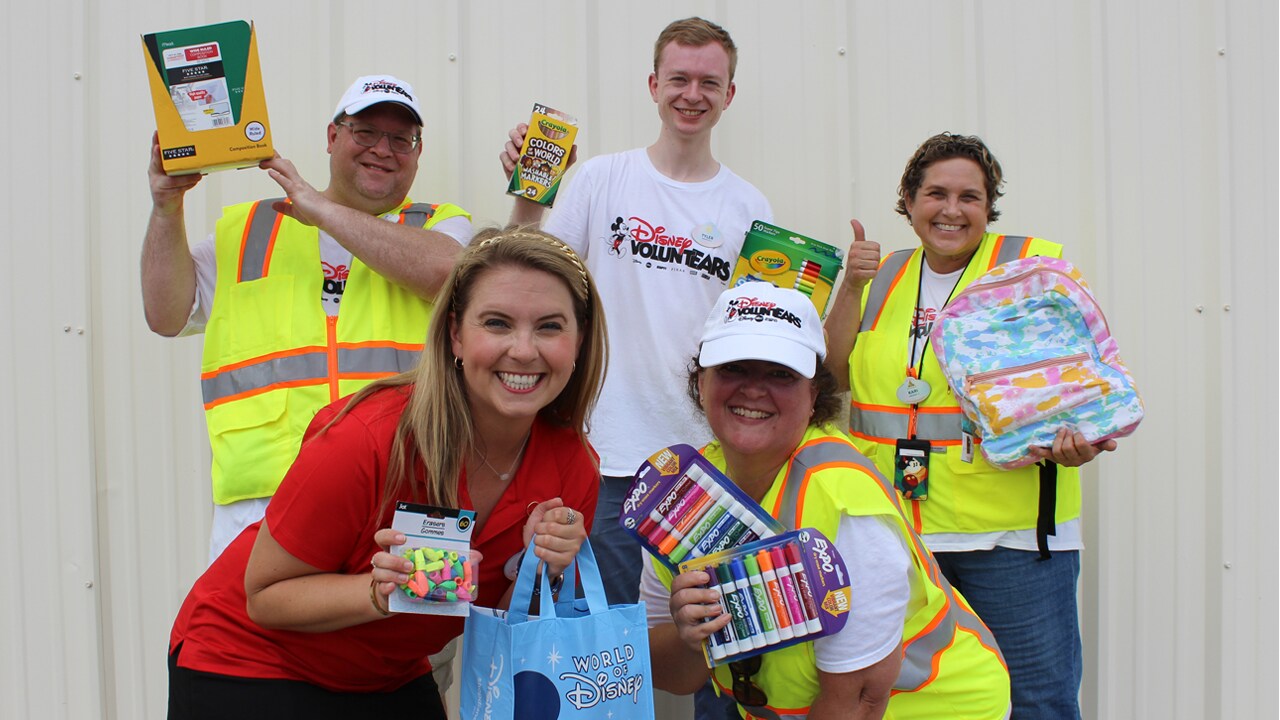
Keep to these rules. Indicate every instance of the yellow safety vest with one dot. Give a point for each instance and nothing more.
(951, 665)
(964, 497)
(273, 357)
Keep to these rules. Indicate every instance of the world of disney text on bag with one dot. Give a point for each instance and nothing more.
(578, 658)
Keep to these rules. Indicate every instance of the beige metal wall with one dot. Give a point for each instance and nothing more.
(1141, 133)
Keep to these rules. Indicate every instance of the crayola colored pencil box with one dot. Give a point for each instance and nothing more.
(544, 156)
(779, 591)
(445, 572)
(788, 260)
(206, 90)
(681, 507)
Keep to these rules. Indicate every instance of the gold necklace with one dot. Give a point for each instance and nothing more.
(504, 477)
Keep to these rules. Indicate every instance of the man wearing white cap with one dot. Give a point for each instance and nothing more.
(302, 299)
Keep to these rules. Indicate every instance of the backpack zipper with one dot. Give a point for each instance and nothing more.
(1015, 278)
(976, 378)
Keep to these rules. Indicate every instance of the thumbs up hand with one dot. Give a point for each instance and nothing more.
(862, 260)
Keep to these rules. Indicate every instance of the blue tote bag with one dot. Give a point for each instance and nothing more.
(579, 658)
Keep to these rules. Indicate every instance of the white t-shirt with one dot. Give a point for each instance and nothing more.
(879, 566)
(661, 252)
(935, 291)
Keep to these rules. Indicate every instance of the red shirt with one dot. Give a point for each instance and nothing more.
(324, 514)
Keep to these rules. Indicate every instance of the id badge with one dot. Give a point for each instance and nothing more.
(911, 469)
(966, 447)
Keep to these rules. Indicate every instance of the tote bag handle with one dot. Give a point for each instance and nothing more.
(584, 564)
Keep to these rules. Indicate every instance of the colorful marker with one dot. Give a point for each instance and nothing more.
(659, 512)
(708, 521)
(682, 526)
(726, 523)
(812, 621)
(760, 596)
(722, 642)
(743, 587)
(666, 525)
(733, 601)
(776, 600)
(799, 626)
(753, 533)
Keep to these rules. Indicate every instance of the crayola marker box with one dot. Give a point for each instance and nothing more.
(779, 591)
(680, 507)
(788, 260)
(544, 156)
(206, 90)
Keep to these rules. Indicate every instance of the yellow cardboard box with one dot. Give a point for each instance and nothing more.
(206, 89)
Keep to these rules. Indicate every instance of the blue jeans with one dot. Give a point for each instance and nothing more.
(1030, 606)
(618, 552)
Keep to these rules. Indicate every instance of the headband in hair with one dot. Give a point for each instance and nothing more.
(557, 244)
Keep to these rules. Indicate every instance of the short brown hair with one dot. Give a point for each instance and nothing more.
(696, 32)
(945, 146)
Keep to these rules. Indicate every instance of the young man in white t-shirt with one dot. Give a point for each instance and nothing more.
(660, 229)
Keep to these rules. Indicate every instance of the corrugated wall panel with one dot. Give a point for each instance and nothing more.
(1242, 582)
(1123, 130)
(51, 659)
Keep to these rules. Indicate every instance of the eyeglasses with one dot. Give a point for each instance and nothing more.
(366, 136)
(745, 691)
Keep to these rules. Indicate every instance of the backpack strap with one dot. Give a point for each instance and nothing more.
(1046, 524)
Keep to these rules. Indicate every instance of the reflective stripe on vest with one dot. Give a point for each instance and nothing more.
(886, 277)
(884, 424)
(306, 366)
(264, 224)
(1008, 248)
(938, 634)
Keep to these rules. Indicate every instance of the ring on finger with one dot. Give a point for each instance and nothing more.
(571, 518)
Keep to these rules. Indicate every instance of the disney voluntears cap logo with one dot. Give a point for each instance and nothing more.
(759, 321)
(369, 90)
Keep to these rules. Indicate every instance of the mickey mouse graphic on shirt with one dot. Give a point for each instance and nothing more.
(620, 233)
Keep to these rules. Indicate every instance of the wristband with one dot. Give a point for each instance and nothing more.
(557, 582)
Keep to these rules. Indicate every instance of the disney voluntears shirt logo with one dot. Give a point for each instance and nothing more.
(655, 246)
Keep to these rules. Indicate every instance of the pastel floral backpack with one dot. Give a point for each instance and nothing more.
(1026, 351)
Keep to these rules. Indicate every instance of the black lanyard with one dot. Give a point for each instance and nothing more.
(912, 370)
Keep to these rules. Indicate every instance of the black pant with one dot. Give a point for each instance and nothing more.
(195, 695)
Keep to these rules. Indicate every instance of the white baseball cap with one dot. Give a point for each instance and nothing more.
(370, 90)
(760, 321)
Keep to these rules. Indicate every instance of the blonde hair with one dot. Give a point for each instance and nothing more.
(435, 431)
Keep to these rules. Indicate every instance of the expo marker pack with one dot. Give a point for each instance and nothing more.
(681, 507)
(206, 90)
(779, 591)
(788, 260)
(438, 542)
